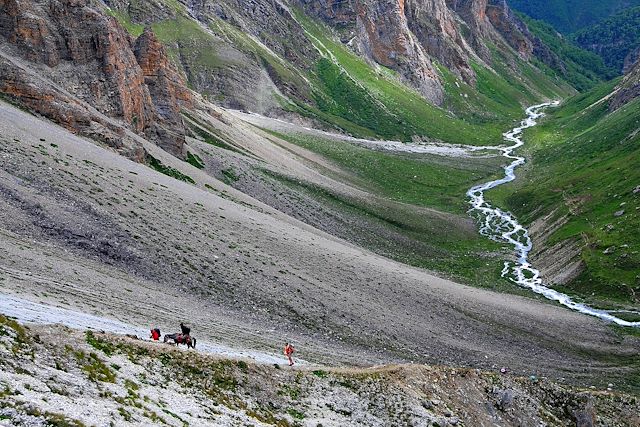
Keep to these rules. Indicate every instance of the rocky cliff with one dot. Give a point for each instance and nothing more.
(630, 60)
(384, 37)
(80, 52)
(628, 90)
(409, 35)
(167, 90)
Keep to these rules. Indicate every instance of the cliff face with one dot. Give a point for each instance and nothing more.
(82, 51)
(435, 26)
(408, 35)
(166, 87)
(25, 87)
(630, 60)
(385, 37)
(503, 20)
(628, 90)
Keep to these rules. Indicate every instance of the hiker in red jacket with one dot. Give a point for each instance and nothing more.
(288, 351)
(155, 334)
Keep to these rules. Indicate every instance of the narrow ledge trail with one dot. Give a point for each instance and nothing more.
(503, 227)
(29, 312)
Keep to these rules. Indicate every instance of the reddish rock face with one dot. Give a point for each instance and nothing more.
(167, 87)
(473, 12)
(436, 28)
(500, 17)
(90, 55)
(386, 29)
(42, 97)
(385, 37)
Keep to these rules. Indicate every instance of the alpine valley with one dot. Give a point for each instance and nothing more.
(437, 202)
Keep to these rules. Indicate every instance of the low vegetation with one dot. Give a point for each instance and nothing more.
(586, 166)
(567, 16)
(583, 68)
(614, 38)
(159, 385)
(168, 170)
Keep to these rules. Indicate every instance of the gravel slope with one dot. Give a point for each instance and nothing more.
(84, 228)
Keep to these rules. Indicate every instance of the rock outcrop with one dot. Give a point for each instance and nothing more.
(84, 52)
(474, 14)
(384, 37)
(40, 96)
(437, 29)
(516, 33)
(167, 88)
(630, 60)
(628, 90)
(503, 20)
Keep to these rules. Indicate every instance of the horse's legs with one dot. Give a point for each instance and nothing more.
(168, 337)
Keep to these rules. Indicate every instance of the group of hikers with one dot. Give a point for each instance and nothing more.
(184, 337)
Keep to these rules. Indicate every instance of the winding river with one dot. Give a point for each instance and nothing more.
(503, 227)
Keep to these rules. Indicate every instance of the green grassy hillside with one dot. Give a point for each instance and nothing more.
(614, 38)
(584, 69)
(570, 15)
(586, 165)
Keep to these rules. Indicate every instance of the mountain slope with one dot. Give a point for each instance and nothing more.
(583, 68)
(568, 16)
(115, 74)
(259, 234)
(582, 191)
(375, 86)
(87, 229)
(616, 40)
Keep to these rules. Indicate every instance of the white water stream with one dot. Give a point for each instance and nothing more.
(503, 227)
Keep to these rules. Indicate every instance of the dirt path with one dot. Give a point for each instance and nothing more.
(25, 311)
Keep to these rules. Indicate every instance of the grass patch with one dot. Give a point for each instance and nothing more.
(195, 160)
(18, 330)
(167, 170)
(208, 134)
(296, 414)
(104, 346)
(320, 373)
(95, 369)
(429, 181)
(229, 176)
